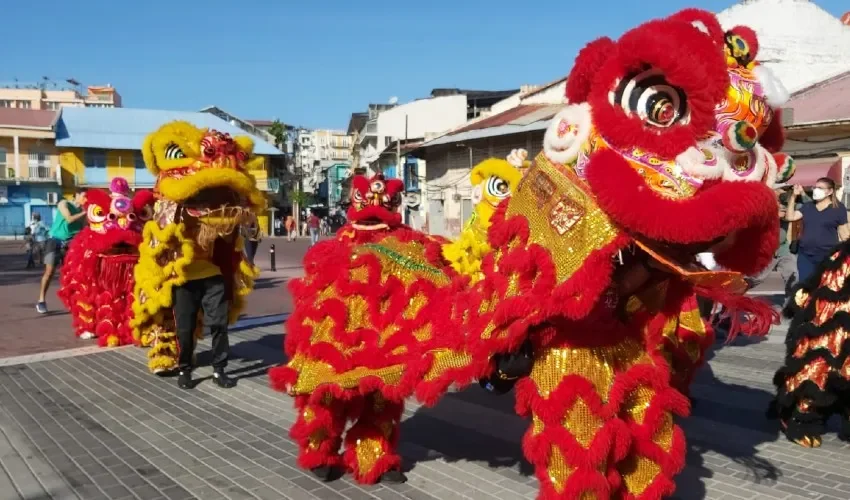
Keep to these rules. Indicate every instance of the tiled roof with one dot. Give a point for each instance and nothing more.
(523, 118)
(31, 118)
(826, 101)
(126, 128)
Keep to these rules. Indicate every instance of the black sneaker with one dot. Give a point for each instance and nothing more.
(222, 380)
(393, 477)
(184, 380)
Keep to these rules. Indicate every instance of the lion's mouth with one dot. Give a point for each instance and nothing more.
(121, 249)
(208, 200)
(370, 224)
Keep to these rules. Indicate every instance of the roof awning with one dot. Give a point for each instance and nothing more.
(808, 172)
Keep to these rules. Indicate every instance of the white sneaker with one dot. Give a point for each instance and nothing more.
(86, 336)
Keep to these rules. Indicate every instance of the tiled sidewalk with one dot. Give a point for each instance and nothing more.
(98, 426)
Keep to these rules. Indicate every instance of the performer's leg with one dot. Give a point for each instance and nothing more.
(215, 305)
(657, 451)
(318, 432)
(806, 424)
(187, 303)
(371, 444)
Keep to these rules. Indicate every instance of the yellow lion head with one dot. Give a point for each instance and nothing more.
(492, 181)
(203, 168)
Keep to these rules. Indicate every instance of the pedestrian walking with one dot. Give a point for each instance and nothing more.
(251, 236)
(67, 222)
(314, 223)
(290, 228)
(824, 225)
(277, 226)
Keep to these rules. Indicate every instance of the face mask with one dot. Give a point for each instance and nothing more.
(818, 194)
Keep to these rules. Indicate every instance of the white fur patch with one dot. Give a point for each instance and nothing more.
(757, 171)
(700, 26)
(693, 162)
(771, 168)
(775, 93)
(568, 131)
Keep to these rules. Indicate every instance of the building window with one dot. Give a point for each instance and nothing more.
(52, 105)
(39, 165)
(5, 172)
(387, 141)
(23, 104)
(139, 160)
(5, 103)
(411, 174)
(95, 158)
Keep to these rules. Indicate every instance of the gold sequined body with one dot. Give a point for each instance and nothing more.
(811, 385)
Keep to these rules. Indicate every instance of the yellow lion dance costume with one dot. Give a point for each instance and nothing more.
(493, 180)
(204, 191)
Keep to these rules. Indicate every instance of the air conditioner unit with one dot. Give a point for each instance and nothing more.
(52, 198)
(456, 197)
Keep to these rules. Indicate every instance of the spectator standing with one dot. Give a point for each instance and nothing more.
(40, 232)
(68, 221)
(28, 247)
(824, 225)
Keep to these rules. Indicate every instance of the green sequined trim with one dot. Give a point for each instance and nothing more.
(403, 261)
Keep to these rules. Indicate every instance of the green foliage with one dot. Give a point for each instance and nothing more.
(300, 197)
(278, 130)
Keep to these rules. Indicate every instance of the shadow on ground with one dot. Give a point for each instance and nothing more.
(262, 283)
(740, 448)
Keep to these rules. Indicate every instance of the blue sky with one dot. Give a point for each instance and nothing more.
(305, 62)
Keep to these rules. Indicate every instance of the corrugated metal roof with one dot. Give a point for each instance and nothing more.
(33, 118)
(524, 118)
(826, 101)
(126, 128)
(503, 118)
(808, 171)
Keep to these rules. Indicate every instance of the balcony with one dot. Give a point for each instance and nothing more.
(41, 173)
(269, 185)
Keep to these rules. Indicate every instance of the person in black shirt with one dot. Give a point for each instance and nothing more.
(824, 225)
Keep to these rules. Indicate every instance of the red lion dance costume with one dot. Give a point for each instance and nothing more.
(590, 278)
(97, 277)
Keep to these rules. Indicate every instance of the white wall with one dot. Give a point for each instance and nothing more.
(424, 116)
(556, 94)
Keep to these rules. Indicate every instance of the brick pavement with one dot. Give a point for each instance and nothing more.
(98, 426)
(24, 331)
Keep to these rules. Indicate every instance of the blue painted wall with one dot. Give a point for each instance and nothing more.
(23, 200)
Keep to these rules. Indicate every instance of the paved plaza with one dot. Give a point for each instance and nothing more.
(89, 423)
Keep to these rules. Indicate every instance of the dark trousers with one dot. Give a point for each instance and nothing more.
(806, 266)
(207, 294)
(251, 250)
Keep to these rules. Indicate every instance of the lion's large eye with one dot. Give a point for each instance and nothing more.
(498, 187)
(173, 152)
(96, 214)
(357, 195)
(378, 187)
(651, 98)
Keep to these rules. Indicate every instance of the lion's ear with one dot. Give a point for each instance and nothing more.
(588, 62)
(148, 154)
(245, 144)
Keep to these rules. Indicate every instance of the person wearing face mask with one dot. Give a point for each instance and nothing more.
(824, 225)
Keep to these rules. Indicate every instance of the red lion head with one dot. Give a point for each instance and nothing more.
(375, 202)
(640, 111)
(117, 218)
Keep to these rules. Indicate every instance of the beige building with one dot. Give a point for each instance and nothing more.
(51, 96)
